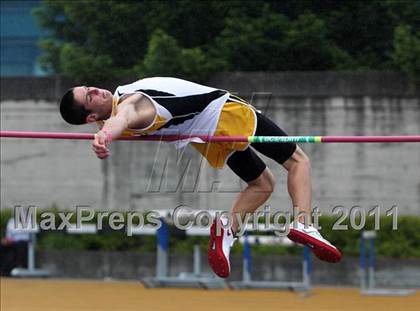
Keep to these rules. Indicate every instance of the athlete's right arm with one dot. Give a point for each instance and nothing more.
(112, 129)
(115, 126)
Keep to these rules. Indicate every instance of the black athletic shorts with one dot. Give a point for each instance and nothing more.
(247, 164)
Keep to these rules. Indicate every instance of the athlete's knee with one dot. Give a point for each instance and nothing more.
(265, 182)
(302, 158)
(298, 158)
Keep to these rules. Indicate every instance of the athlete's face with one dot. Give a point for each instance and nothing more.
(97, 101)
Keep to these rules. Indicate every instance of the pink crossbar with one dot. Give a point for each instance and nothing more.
(207, 138)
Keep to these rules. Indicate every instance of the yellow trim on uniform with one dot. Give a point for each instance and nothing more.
(158, 122)
(236, 119)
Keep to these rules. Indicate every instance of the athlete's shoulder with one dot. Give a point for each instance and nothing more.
(136, 109)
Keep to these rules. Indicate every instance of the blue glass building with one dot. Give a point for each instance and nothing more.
(19, 36)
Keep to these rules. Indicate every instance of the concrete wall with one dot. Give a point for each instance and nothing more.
(295, 84)
(42, 88)
(319, 83)
(134, 266)
(41, 172)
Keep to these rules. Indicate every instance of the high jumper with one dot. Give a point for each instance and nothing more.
(164, 106)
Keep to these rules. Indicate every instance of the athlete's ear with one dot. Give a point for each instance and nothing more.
(92, 117)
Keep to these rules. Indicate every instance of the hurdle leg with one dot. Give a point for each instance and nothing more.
(31, 252)
(371, 271)
(362, 263)
(307, 267)
(162, 251)
(197, 260)
(247, 261)
(30, 271)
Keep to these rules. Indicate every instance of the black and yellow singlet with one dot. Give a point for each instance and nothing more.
(184, 107)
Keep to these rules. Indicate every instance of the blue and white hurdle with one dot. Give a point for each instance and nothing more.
(248, 283)
(193, 279)
(162, 278)
(31, 270)
(367, 270)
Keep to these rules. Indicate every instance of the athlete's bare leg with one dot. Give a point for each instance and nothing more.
(299, 183)
(259, 190)
(253, 196)
(300, 190)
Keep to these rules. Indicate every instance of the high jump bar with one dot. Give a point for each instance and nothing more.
(208, 138)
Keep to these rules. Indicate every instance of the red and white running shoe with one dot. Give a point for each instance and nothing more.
(219, 248)
(311, 237)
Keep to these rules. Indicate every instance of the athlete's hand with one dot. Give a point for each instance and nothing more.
(100, 145)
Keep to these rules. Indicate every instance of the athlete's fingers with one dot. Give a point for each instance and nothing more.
(103, 155)
(99, 148)
(100, 138)
(102, 151)
(98, 143)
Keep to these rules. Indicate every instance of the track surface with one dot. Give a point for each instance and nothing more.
(45, 295)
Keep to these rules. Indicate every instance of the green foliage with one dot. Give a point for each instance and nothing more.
(274, 42)
(98, 41)
(90, 40)
(254, 44)
(308, 38)
(193, 23)
(5, 215)
(164, 57)
(79, 63)
(115, 241)
(407, 50)
(401, 243)
(50, 59)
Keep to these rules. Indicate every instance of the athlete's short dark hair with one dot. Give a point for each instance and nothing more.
(70, 111)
